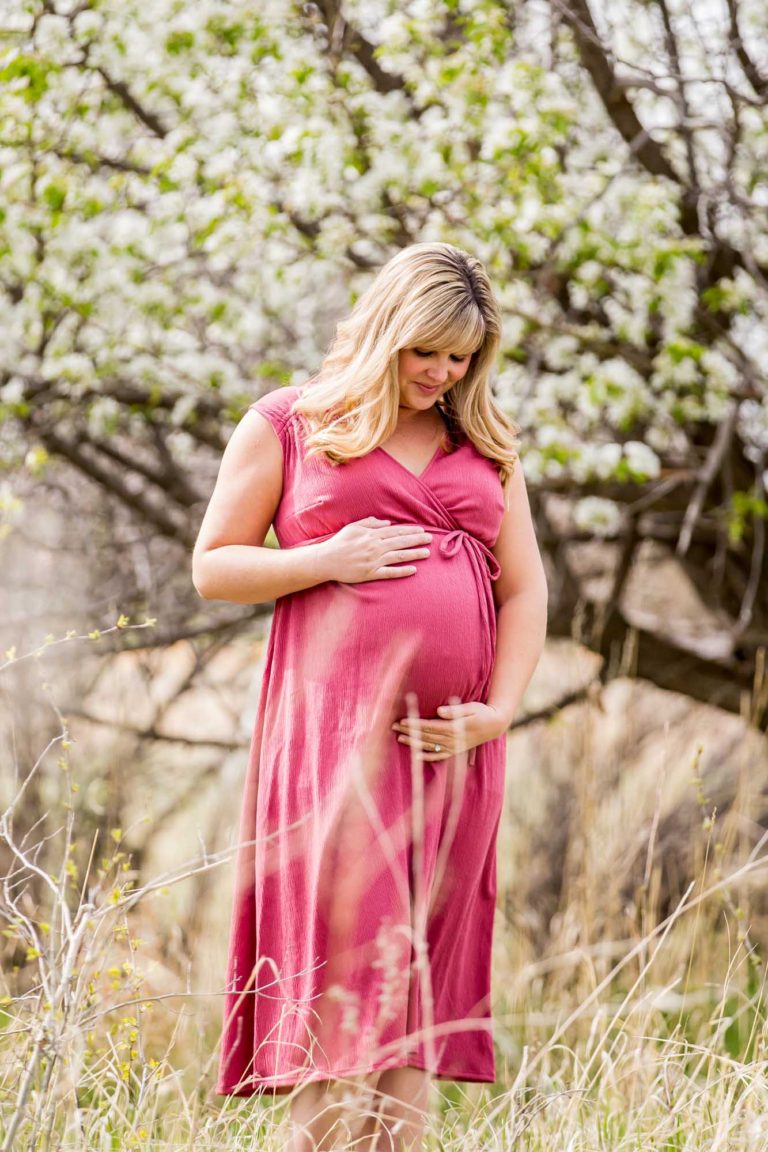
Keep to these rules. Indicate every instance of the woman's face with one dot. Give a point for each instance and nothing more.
(426, 374)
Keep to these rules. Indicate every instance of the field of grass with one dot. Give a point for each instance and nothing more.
(630, 1008)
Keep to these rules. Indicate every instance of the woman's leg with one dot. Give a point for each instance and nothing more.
(403, 1095)
(327, 1114)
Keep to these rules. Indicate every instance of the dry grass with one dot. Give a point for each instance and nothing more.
(628, 965)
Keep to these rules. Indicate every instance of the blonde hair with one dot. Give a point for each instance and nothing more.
(430, 295)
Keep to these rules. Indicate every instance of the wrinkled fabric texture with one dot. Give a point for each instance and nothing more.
(365, 877)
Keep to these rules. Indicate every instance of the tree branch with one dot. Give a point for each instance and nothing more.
(615, 101)
(344, 37)
(717, 451)
(660, 659)
(150, 119)
(757, 80)
(137, 502)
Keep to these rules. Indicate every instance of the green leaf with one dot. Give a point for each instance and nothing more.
(34, 70)
(178, 42)
(54, 196)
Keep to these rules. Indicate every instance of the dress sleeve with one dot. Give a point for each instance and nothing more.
(276, 406)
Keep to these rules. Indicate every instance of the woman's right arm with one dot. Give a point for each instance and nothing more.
(229, 561)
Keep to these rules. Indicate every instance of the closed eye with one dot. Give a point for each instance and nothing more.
(421, 352)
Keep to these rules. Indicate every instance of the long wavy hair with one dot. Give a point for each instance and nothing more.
(430, 295)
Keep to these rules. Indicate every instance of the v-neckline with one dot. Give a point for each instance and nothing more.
(405, 468)
(437, 452)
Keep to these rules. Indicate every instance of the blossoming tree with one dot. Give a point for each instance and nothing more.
(190, 195)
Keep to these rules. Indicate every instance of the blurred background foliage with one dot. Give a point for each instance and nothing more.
(190, 197)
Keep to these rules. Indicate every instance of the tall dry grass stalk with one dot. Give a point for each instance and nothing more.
(655, 1040)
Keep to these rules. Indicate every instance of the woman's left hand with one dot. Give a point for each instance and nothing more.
(457, 728)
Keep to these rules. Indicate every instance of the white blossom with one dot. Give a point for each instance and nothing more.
(752, 423)
(13, 391)
(192, 266)
(641, 459)
(597, 515)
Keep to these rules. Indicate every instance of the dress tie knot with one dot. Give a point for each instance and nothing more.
(453, 540)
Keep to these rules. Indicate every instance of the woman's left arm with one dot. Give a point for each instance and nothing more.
(521, 595)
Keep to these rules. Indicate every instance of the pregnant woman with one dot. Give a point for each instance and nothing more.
(410, 613)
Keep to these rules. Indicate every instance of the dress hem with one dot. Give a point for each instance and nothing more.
(264, 1088)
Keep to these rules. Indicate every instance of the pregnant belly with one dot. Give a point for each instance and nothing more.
(428, 633)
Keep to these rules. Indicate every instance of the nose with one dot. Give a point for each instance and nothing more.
(439, 372)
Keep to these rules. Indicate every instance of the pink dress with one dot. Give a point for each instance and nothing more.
(365, 880)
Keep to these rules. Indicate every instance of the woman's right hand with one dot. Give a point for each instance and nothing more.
(373, 549)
